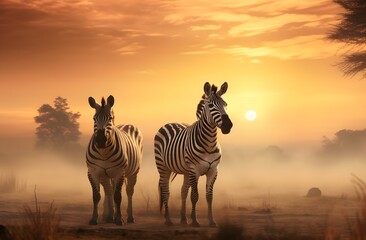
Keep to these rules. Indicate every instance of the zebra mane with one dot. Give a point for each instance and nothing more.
(103, 102)
(201, 103)
(200, 107)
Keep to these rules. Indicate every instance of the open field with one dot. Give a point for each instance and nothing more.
(257, 199)
(279, 215)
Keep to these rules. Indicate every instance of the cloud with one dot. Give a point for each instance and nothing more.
(205, 27)
(249, 52)
(44, 24)
(301, 47)
(132, 27)
(259, 25)
(195, 52)
(175, 18)
(130, 49)
(255, 61)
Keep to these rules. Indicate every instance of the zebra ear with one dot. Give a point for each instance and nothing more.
(92, 102)
(110, 101)
(207, 89)
(223, 89)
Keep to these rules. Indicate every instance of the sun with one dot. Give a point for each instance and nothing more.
(251, 115)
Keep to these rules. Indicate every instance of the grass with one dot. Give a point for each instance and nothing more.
(43, 224)
(147, 199)
(11, 183)
(267, 204)
(38, 224)
(358, 228)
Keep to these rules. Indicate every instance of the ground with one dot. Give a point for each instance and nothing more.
(256, 215)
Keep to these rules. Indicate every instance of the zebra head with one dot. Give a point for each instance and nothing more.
(103, 120)
(216, 107)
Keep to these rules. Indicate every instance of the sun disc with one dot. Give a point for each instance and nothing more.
(251, 115)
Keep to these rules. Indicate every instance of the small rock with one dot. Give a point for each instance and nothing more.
(314, 192)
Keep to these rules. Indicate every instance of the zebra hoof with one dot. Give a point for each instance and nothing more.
(183, 222)
(130, 220)
(169, 223)
(119, 222)
(93, 222)
(213, 224)
(195, 224)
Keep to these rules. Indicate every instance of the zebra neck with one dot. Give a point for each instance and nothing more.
(207, 133)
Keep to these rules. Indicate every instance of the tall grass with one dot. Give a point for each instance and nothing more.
(11, 183)
(38, 224)
(358, 228)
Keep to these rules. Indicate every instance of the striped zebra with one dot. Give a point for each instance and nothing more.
(192, 150)
(114, 155)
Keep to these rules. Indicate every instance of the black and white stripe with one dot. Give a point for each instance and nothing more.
(114, 155)
(192, 150)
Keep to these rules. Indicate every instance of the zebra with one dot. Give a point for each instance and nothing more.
(114, 155)
(194, 151)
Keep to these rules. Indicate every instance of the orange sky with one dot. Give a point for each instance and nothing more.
(154, 57)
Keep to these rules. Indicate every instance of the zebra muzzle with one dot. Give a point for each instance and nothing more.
(226, 124)
(100, 138)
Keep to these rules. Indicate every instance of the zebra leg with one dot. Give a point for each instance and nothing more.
(193, 181)
(130, 185)
(94, 181)
(118, 199)
(184, 194)
(164, 194)
(108, 211)
(211, 178)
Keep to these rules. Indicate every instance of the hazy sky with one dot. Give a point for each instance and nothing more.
(154, 56)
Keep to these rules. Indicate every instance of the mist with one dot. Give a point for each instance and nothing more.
(243, 174)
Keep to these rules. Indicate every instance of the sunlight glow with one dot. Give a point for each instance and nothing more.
(251, 115)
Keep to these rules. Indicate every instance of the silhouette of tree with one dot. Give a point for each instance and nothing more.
(346, 143)
(352, 31)
(58, 126)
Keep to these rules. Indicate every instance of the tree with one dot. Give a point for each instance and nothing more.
(346, 143)
(352, 32)
(58, 126)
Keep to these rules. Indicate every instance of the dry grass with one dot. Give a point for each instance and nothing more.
(358, 228)
(267, 204)
(11, 183)
(37, 225)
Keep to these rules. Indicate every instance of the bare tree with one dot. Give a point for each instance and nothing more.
(58, 126)
(352, 32)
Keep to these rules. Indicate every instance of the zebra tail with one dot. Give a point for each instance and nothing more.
(160, 199)
(174, 175)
